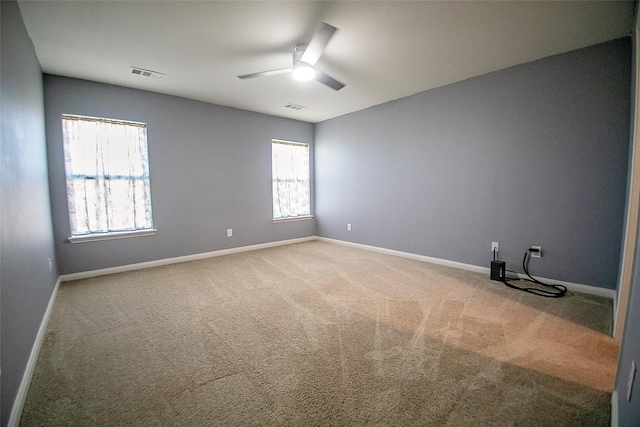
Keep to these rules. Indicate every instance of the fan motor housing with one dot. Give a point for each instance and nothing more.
(298, 51)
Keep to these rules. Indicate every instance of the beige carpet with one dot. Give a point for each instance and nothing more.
(320, 334)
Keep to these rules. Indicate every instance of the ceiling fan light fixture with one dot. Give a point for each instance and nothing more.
(303, 72)
(305, 57)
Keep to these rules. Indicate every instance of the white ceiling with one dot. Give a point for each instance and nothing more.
(383, 50)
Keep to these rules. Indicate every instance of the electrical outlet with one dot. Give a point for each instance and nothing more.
(632, 375)
(348, 227)
(229, 232)
(50, 265)
(494, 246)
(536, 254)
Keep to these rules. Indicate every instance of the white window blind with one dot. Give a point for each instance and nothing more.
(107, 171)
(290, 179)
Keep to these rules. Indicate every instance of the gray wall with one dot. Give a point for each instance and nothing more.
(26, 231)
(210, 170)
(531, 155)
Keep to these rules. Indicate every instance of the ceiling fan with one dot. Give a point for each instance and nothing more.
(305, 56)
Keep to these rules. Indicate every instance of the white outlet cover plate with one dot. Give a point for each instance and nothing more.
(536, 254)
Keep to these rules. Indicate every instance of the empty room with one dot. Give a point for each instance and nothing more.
(319, 213)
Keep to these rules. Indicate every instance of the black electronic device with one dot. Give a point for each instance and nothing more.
(498, 271)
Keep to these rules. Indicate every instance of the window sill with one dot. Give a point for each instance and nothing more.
(110, 236)
(293, 218)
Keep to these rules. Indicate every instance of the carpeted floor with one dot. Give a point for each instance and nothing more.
(320, 334)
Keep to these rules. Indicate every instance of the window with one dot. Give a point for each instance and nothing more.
(107, 171)
(290, 178)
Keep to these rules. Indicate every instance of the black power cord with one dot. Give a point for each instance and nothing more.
(553, 291)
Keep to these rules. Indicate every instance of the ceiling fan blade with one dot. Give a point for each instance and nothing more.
(318, 42)
(328, 80)
(266, 73)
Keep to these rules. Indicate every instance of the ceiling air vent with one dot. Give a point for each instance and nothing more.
(295, 107)
(146, 73)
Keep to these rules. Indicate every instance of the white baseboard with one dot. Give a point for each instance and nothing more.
(576, 287)
(614, 408)
(21, 397)
(175, 260)
(409, 255)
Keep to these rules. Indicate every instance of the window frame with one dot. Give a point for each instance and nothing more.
(110, 234)
(296, 217)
